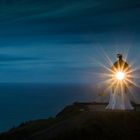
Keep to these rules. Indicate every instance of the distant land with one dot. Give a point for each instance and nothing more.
(84, 121)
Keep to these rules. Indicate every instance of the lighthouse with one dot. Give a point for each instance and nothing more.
(119, 96)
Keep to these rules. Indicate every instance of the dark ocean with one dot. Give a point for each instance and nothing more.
(24, 102)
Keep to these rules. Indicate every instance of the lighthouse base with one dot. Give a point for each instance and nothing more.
(119, 101)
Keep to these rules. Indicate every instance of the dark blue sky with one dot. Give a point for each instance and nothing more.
(57, 41)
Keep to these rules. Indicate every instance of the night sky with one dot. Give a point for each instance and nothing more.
(60, 41)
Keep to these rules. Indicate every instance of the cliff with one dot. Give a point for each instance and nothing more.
(78, 121)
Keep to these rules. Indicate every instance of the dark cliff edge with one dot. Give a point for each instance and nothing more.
(85, 121)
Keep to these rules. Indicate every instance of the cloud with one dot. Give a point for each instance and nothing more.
(27, 18)
(29, 10)
(9, 58)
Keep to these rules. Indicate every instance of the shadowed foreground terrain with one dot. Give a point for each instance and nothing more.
(78, 122)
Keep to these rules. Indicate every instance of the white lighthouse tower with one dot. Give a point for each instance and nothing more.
(119, 96)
